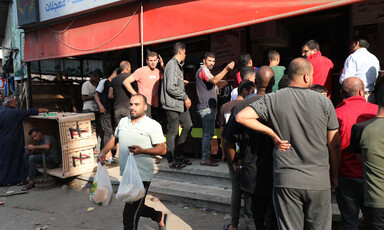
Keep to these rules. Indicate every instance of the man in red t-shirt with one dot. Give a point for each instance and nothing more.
(322, 66)
(354, 109)
(148, 78)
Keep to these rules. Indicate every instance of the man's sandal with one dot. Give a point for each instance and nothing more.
(28, 187)
(177, 165)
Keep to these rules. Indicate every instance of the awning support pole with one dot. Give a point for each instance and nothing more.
(141, 35)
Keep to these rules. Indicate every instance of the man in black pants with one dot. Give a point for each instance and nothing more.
(176, 103)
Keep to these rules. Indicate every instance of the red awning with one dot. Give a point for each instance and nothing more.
(165, 20)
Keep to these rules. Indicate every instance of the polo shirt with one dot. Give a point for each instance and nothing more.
(145, 133)
(322, 70)
(364, 65)
(349, 112)
(206, 91)
(367, 139)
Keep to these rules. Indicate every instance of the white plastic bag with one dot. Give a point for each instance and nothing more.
(101, 191)
(131, 187)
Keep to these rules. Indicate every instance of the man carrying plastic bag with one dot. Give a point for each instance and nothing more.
(101, 191)
(143, 137)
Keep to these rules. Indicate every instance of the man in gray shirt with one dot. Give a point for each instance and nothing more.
(45, 144)
(304, 128)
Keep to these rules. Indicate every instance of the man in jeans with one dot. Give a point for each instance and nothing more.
(206, 107)
(176, 103)
(45, 145)
(354, 109)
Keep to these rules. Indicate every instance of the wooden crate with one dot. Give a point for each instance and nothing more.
(75, 138)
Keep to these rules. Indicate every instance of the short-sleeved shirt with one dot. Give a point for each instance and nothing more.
(322, 70)
(367, 138)
(206, 91)
(88, 89)
(225, 112)
(145, 133)
(255, 153)
(103, 90)
(121, 94)
(53, 151)
(148, 82)
(302, 117)
(279, 73)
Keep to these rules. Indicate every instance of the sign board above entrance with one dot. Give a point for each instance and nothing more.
(51, 9)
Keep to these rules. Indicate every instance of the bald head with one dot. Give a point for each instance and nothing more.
(300, 72)
(265, 77)
(352, 86)
(125, 67)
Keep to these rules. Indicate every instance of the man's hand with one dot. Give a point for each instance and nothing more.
(334, 182)
(135, 149)
(281, 144)
(161, 61)
(102, 109)
(237, 166)
(30, 147)
(188, 103)
(230, 66)
(101, 158)
(186, 82)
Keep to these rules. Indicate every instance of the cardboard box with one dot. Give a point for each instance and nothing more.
(75, 137)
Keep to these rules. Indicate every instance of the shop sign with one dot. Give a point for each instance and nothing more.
(27, 11)
(50, 9)
(368, 12)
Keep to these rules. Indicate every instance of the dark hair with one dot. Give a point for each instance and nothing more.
(117, 70)
(151, 54)
(284, 82)
(98, 73)
(246, 84)
(178, 46)
(141, 95)
(312, 44)
(363, 41)
(380, 96)
(246, 72)
(34, 130)
(244, 59)
(272, 55)
(319, 89)
(209, 54)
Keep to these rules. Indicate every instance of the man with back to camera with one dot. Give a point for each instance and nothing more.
(206, 107)
(274, 61)
(362, 64)
(304, 129)
(350, 192)
(322, 66)
(246, 73)
(176, 103)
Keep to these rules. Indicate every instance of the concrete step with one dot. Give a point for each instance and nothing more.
(195, 174)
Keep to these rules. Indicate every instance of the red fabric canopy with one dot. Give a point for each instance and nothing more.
(165, 20)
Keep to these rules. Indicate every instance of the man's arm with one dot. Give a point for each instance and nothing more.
(248, 117)
(349, 69)
(334, 146)
(171, 84)
(97, 99)
(87, 97)
(41, 110)
(216, 79)
(32, 148)
(110, 93)
(128, 84)
(159, 149)
(106, 149)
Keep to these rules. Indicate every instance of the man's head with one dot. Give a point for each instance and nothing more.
(245, 59)
(265, 78)
(94, 78)
(179, 51)
(320, 89)
(357, 43)
(209, 60)
(248, 73)
(138, 106)
(352, 86)
(273, 58)
(152, 59)
(309, 48)
(300, 73)
(380, 97)
(246, 87)
(10, 102)
(36, 134)
(125, 67)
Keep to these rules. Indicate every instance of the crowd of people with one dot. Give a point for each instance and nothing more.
(285, 144)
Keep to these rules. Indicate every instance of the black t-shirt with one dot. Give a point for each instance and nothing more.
(105, 101)
(121, 94)
(255, 153)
